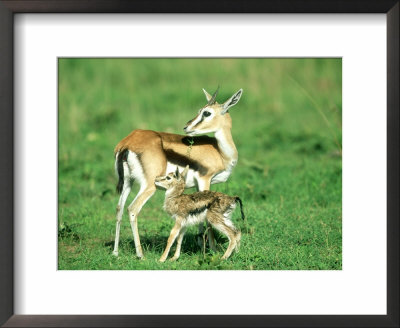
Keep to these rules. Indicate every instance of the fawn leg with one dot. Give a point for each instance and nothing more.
(172, 236)
(228, 230)
(238, 235)
(231, 246)
(178, 245)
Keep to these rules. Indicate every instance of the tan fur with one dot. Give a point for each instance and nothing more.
(156, 148)
(215, 207)
(149, 145)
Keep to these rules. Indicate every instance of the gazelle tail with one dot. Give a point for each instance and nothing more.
(121, 157)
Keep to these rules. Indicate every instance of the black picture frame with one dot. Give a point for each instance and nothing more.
(7, 11)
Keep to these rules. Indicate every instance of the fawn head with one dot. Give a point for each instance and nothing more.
(213, 116)
(172, 179)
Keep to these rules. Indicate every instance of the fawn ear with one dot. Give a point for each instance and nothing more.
(177, 175)
(185, 171)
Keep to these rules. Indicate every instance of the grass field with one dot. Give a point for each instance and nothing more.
(287, 129)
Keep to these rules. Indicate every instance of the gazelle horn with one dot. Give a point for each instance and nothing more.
(214, 97)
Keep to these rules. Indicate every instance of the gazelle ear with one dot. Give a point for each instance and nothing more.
(208, 96)
(185, 171)
(177, 175)
(231, 101)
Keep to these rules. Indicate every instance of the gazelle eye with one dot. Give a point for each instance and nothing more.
(168, 178)
(206, 114)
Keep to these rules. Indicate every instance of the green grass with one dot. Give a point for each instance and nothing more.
(287, 128)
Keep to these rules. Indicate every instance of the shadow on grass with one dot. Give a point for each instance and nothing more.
(157, 243)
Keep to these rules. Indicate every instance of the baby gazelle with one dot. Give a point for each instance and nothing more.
(190, 209)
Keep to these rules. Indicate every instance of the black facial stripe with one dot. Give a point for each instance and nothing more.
(202, 118)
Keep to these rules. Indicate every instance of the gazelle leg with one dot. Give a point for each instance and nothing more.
(226, 229)
(178, 245)
(200, 234)
(134, 209)
(231, 246)
(211, 238)
(204, 184)
(232, 240)
(172, 236)
(238, 235)
(120, 209)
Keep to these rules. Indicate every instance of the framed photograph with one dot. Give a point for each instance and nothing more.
(169, 166)
(301, 231)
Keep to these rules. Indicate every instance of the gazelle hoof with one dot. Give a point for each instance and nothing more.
(115, 253)
(161, 260)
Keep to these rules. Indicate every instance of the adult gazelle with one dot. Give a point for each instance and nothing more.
(144, 154)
